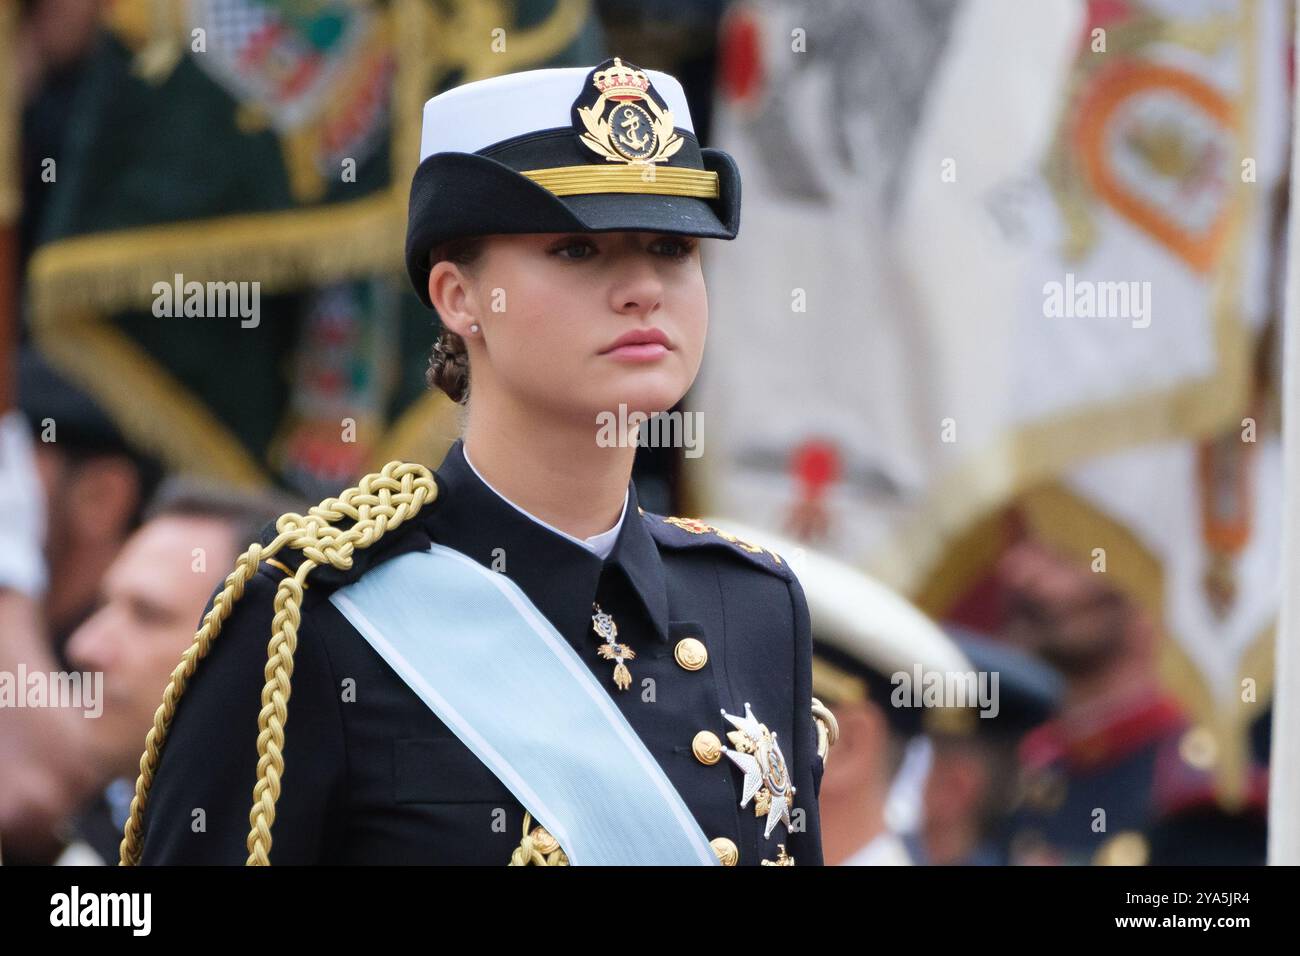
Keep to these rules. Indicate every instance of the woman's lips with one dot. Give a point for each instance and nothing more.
(638, 352)
(639, 345)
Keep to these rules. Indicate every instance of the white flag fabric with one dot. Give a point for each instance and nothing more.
(826, 339)
(1032, 267)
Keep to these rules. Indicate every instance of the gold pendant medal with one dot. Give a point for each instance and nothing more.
(605, 628)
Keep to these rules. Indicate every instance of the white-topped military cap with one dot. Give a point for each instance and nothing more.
(610, 148)
(472, 117)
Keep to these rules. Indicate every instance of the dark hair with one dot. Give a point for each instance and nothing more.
(449, 360)
(246, 513)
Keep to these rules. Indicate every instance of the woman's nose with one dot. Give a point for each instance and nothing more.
(639, 289)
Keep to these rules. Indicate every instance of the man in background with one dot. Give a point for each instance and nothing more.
(1122, 755)
(95, 484)
(75, 490)
(971, 787)
(147, 612)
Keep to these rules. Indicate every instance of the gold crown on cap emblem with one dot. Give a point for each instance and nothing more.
(628, 128)
(621, 82)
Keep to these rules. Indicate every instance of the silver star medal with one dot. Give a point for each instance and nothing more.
(759, 757)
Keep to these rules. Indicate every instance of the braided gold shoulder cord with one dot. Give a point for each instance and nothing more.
(380, 502)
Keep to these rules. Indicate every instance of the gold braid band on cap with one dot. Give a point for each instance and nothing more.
(828, 729)
(643, 178)
(381, 502)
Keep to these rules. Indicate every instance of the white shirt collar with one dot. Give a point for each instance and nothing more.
(599, 544)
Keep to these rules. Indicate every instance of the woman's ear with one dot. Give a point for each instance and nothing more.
(452, 294)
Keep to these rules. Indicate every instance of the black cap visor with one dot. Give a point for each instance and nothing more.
(457, 195)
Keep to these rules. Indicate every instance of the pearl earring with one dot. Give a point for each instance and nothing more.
(474, 327)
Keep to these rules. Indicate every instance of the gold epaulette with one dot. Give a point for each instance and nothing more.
(701, 532)
(696, 526)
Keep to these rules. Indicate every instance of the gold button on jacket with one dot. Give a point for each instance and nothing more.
(691, 653)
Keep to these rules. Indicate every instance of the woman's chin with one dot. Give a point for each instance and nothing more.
(641, 401)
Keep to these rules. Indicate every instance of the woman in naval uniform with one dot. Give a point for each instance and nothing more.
(510, 660)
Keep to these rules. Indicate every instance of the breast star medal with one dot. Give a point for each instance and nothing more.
(767, 782)
(605, 628)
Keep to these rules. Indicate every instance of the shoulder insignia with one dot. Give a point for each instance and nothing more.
(684, 532)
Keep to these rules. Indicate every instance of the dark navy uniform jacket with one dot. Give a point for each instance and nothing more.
(373, 776)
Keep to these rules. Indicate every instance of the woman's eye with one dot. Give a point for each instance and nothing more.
(575, 250)
(674, 248)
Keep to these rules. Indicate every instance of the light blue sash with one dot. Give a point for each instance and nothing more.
(477, 651)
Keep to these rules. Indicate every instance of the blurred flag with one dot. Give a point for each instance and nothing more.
(1024, 264)
(267, 141)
